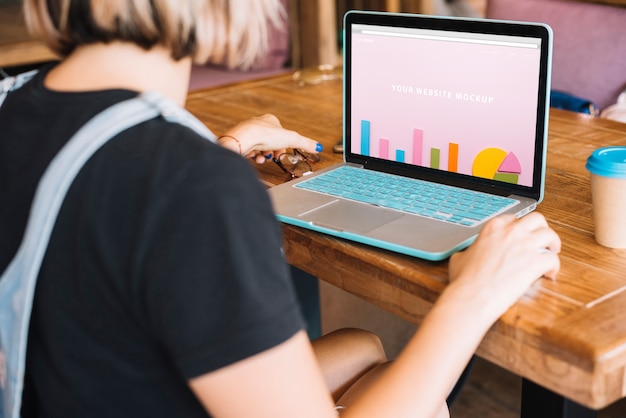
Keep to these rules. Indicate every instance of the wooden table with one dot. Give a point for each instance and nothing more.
(568, 336)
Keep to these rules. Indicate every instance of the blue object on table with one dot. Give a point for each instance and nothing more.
(566, 101)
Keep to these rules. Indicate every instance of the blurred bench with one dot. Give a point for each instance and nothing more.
(589, 58)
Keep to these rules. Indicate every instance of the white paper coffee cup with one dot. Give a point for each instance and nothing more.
(607, 167)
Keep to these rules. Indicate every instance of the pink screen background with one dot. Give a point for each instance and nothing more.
(388, 73)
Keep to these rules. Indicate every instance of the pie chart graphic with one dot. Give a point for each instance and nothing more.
(497, 164)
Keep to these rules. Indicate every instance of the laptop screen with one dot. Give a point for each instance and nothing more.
(458, 99)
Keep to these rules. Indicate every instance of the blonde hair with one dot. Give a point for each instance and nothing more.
(230, 32)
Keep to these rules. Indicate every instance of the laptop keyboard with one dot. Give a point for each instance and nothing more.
(431, 200)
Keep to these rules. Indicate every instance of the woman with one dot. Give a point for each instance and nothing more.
(164, 291)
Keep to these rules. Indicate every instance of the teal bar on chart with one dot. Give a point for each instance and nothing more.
(365, 137)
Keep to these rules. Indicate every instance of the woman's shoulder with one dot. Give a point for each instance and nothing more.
(176, 144)
(172, 157)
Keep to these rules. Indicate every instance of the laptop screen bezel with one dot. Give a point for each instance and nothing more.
(468, 25)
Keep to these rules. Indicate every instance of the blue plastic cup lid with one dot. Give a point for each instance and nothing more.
(608, 162)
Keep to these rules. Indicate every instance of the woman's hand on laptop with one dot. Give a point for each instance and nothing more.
(262, 137)
(508, 256)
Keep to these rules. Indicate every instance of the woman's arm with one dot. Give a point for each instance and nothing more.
(282, 382)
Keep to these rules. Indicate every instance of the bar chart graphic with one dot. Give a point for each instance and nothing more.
(489, 163)
(416, 152)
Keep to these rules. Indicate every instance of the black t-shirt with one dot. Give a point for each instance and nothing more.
(164, 263)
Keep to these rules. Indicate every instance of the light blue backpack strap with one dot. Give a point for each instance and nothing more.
(174, 113)
(17, 284)
(14, 82)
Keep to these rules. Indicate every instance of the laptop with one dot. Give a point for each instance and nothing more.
(458, 104)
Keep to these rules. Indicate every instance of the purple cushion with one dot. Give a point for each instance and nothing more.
(589, 57)
(204, 76)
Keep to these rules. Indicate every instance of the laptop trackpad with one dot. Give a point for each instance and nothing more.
(350, 216)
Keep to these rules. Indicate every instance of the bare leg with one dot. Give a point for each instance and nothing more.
(351, 360)
(346, 355)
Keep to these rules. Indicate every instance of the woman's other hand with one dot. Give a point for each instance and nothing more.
(262, 137)
(508, 256)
